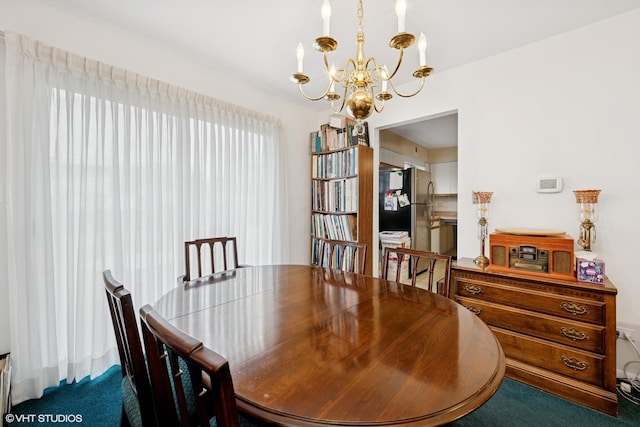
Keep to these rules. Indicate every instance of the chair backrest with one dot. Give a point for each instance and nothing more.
(134, 367)
(343, 255)
(205, 251)
(436, 277)
(166, 345)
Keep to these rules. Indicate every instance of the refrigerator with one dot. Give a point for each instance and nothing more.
(406, 203)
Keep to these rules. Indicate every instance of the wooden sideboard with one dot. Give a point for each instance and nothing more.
(557, 335)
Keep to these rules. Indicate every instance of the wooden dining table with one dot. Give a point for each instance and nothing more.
(309, 346)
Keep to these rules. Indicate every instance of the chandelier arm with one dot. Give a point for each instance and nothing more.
(344, 100)
(310, 98)
(397, 67)
(376, 68)
(408, 95)
(370, 60)
(343, 71)
(325, 56)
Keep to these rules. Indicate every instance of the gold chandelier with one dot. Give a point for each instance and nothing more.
(361, 77)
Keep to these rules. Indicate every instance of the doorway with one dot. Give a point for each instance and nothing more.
(429, 144)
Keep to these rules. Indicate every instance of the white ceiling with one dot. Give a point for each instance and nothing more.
(256, 39)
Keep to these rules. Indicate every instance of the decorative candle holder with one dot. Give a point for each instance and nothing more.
(588, 202)
(482, 199)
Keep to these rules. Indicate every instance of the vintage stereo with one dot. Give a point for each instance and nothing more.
(538, 255)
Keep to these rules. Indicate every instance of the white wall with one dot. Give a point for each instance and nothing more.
(566, 106)
(70, 33)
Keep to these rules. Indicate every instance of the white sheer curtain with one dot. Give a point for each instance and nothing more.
(106, 169)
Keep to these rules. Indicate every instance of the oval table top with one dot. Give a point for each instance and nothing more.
(313, 346)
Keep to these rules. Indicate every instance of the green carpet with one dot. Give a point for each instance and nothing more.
(98, 402)
(516, 404)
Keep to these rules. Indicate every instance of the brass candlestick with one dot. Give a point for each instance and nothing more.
(482, 198)
(588, 203)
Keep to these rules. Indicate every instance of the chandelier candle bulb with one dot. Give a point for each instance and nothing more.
(326, 17)
(384, 76)
(422, 49)
(300, 57)
(401, 11)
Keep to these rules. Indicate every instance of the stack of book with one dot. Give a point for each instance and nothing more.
(396, 239)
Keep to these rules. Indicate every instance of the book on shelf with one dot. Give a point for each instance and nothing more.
(335, 196)
(336, 164)
(334, 227)
(339, 133)
(341, 255)
(338, 121)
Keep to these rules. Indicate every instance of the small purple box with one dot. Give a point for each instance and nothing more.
(591, 271)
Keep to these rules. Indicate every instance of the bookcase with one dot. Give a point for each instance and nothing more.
(341, 187)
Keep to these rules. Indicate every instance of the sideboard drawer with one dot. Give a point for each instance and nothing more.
(576, 334)
(581, 365)
(567, 306)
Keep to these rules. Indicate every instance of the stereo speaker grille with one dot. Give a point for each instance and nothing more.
(562, 262)
(499, 255)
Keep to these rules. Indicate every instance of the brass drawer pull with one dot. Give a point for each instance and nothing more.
(574, 334)
(472, 289)
(574, 308)
(473, 309)
(574, 363)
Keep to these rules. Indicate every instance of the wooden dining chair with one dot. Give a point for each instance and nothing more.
(343, 255)
(137, 401)
(436, 275)
(212, 391)
(212, 255)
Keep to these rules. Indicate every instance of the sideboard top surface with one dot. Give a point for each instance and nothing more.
(467, 264)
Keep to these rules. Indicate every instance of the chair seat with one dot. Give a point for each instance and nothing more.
(130, 402)
(244, 422)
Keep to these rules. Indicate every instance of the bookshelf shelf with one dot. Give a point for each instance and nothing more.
(341, 187)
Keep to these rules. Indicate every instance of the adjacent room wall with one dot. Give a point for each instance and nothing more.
(403, 146)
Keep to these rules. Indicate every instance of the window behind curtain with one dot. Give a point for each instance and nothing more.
(111, 170)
